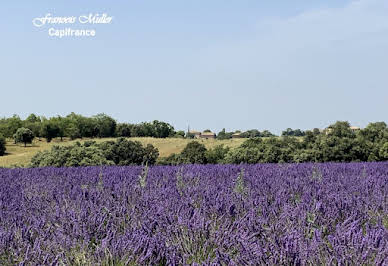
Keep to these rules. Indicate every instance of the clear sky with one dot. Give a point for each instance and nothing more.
(211, 64)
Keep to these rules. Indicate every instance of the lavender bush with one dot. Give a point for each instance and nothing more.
(289, 214)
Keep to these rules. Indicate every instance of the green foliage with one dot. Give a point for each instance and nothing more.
(76, 155)
(124, 130)
(105, 126)
(9, 126)
(293, 132)
(194, 153)
(179, 134)
(253, 133)
(77, 126)
(341, 129)
(156, 129)
(339, 144)
(32, 118)
(2, 145)
(121, 152)
(384, 151)
(224, 135)
(173, 159)
(217, 154)
(162, 129)
(49, 129)
(126, 152)
(24, 135)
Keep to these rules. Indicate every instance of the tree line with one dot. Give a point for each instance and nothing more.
(339, 144)
(75, 126)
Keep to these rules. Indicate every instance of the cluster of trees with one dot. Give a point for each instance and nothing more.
(156, 129)
(196, 153)
(77, 126)
(253, 133)
(90, 153)
(293, 132)
(340, 144)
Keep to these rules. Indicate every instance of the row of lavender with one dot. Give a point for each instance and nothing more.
(230, 215)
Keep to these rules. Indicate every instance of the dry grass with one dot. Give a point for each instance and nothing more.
(18, 155)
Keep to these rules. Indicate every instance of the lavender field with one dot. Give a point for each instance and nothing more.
(269, 214)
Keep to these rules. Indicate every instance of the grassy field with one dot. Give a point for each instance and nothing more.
(18, 155)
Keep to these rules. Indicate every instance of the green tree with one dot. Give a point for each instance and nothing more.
(253, 133)
(105, 126)
(194, 153)
(24, 135)
(162, 129)
(49, 129)
(124, 130)
(80, 126)
(341, 129)
(35, 127)
(32, 118)
(61, 124)
(266, 133)
(375, 132)
(9, 126)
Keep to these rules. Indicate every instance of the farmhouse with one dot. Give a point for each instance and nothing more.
(208, 135)
(237, 135)
(329, 130)
(354, 129)
(196, 134)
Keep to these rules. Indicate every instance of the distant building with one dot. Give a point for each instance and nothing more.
(208, 135)
(196, 134)
(329, 130)
(237, 135)
(354, 129)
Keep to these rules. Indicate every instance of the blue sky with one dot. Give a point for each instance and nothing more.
(211, 64)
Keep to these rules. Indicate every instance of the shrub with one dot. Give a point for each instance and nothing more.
(126, 152)
(217, 155)
(76, 155)
(120, 152)
(194, 153)
(173, 159)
